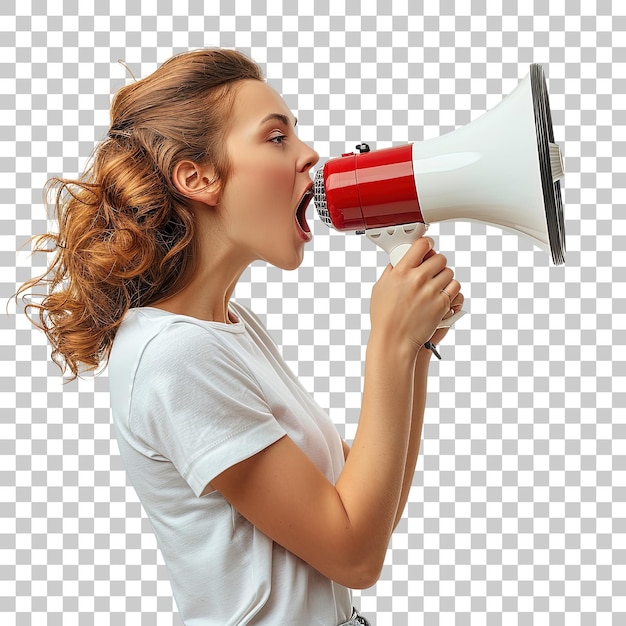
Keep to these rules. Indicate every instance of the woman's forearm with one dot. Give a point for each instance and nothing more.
(371, 482)
(417, 420)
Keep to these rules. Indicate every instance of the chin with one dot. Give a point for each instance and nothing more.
(289, 264)
(289, 267)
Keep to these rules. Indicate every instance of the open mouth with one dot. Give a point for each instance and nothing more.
(301, 214)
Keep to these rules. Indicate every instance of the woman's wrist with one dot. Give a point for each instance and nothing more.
(403, 353)
(424, 355)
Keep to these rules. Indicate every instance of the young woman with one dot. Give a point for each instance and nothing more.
(262, 513)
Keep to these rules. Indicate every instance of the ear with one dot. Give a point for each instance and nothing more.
(196, 182)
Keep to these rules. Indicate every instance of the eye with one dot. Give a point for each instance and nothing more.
(278, 139)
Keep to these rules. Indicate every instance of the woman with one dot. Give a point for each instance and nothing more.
(262, 513)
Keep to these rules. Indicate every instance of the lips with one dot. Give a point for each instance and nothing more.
(301, 222)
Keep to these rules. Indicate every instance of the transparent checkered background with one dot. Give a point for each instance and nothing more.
(518, 512)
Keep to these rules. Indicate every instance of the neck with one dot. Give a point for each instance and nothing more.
(203, 299)
(208, 293)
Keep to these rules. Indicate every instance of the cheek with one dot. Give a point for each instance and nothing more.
(260, 183)
(261, 186)
(272, 172)
(269, 200)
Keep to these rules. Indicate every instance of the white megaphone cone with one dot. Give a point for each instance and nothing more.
(503, 169)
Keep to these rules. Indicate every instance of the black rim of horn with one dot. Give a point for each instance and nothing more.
(551, 191)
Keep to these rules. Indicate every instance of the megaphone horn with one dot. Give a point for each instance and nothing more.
(502, 169)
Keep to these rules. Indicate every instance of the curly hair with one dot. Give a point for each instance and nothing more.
(126, 236)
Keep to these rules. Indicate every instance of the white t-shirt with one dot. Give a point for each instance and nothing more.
(189, 399)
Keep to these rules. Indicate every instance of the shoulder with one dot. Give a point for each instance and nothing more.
(143, 329)
(163, 345)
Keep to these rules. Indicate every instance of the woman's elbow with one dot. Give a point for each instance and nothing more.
(361, 573)
(366, 579)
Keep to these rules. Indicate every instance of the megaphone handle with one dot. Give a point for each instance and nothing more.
(395, 241)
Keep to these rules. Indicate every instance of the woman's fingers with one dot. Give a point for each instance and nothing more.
(456, 305)
(415, 255)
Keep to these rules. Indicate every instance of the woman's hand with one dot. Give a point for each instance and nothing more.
(410, 300)
(456, 306)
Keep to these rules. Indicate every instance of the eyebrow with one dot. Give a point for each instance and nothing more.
(280, 117)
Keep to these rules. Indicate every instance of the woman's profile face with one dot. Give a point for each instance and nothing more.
(270, 174)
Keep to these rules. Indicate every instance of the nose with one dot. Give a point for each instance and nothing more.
(308, 158)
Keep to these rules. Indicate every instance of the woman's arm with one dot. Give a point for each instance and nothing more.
(420, 381)
(346, 449)
(343, 530)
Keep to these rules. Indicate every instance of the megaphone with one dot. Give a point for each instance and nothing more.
(502, 169)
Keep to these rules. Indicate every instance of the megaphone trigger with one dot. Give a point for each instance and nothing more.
(396, 240)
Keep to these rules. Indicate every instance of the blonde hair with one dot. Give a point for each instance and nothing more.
(126, 237)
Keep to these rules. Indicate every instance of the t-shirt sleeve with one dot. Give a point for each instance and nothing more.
(196, 404)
